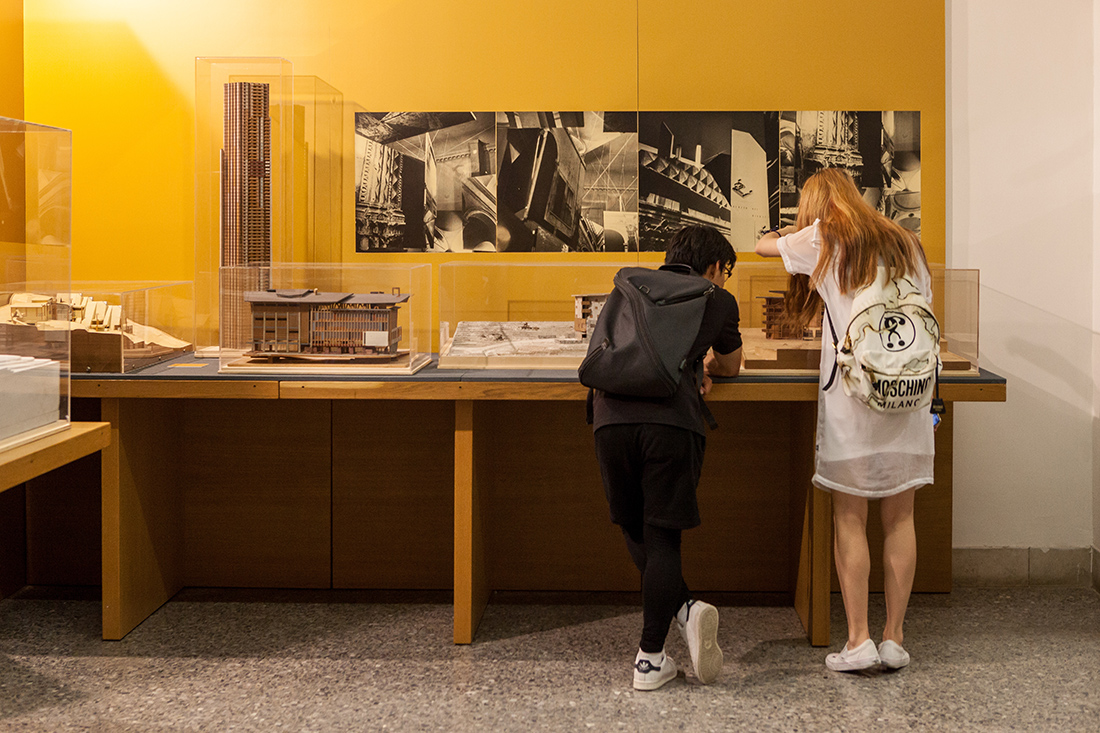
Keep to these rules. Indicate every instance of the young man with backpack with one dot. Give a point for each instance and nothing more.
(650, 448)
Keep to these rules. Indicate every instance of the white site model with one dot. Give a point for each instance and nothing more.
(514, 345)
(523, 344)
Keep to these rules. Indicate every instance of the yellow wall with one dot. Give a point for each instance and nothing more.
(12, 250)
(120, 74)
(11, 59)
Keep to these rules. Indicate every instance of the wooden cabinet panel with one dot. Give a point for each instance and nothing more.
(392, 494)
(745, 498)
(546, 518)
(257, 487)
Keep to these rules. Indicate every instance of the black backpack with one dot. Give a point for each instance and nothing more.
(649, 322)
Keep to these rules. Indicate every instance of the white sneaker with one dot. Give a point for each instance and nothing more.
(863, 656)
(892, 654)
(650, 676)
(700, 633)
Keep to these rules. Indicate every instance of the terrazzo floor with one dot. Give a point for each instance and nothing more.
(1023, 659)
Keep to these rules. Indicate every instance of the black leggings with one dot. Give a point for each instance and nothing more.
(656, 553)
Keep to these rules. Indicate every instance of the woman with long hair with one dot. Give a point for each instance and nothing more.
(836, 246)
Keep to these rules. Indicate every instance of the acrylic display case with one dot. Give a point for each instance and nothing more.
(955, 302)
(326, 319)
(318, 172)
(35, 256)
(120, 327)
(244, 175)
(519, 316)
(770, 344)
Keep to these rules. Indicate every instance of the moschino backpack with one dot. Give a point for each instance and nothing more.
(890, 356)
(649, 322)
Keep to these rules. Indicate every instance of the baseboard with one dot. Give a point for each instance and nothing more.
(976, 567)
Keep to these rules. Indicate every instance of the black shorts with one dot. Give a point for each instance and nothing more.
(650, 473)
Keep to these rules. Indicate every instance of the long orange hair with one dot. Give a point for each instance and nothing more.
(854, 236)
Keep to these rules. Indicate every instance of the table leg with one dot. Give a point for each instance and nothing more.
(142, 513)
(471, 588)
(813, 579)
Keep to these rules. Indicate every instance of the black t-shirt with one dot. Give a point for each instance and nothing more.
(719, 330)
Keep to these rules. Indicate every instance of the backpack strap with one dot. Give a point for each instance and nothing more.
(832, 332)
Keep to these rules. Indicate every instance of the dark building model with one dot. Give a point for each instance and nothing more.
(776, 325)
(309, 323)
(246, 202)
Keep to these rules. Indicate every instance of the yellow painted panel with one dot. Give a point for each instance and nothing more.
(11, 59)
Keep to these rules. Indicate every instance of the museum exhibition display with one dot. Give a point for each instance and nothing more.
(35, 254)
(361, 260)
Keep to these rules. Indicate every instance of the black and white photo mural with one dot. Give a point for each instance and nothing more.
(568, 181)
(880, 149)
(425, 181)
(613, 181)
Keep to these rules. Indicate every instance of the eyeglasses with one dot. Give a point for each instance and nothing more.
(727, 270)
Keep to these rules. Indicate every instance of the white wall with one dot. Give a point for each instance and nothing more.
(1096, 276)
(1021, 191)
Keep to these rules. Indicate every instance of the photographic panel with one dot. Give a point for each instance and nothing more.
(425, 181)
(567, 181)
(881, 150)
(714, 168)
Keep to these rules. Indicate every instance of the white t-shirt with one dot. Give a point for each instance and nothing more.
(859, 451)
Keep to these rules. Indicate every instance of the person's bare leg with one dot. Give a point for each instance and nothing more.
(899, 559)
(853, 562)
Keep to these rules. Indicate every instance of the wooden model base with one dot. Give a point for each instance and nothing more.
(275, 357)
(336, 364)
(763, 353)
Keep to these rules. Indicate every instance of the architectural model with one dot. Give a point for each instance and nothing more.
(102, 338)
(513, 345)
(777, 327)
(780, 345)
(586, 311)
(30, 391)
(246, 175)
(246, 202)
(309, 324)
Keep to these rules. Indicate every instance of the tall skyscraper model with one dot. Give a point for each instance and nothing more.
(246, 204)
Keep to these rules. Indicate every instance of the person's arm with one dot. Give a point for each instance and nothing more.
(768, 245)
(722, 365)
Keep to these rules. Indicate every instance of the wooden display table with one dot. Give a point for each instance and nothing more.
(30, 460)
(471, 481)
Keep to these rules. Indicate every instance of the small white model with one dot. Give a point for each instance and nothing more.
(30, 392)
